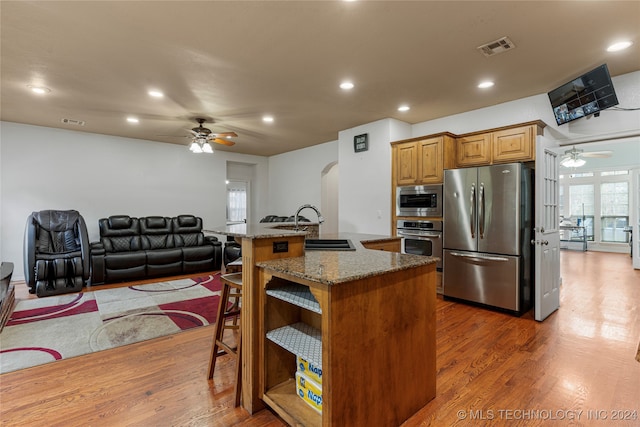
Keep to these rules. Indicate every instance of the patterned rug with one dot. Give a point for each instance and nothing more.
(47, 329)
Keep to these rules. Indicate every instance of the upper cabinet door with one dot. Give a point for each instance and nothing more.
(511, 145)
(407, 164)
(474, 150)
(430, 166)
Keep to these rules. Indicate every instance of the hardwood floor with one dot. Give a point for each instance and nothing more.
(493, 369)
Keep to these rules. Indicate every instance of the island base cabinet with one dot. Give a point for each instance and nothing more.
(377, 347)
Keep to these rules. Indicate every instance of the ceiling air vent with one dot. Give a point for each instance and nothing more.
(495, 47)
(73, 122)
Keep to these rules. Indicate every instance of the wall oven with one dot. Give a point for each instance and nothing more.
(421, 238)
(419, 200)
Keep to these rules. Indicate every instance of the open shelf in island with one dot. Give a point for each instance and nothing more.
(300, 339)
(296, 294)
(370, 333)
(284, 400)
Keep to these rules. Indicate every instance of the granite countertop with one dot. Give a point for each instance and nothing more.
(329, 267)
(335, 267)
(254, 231)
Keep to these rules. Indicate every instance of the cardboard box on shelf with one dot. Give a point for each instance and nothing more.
(309, 391)
(309, 369)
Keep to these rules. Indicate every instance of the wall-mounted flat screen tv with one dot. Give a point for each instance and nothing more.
(588, 94)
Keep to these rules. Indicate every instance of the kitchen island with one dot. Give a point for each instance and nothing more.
(371, 320)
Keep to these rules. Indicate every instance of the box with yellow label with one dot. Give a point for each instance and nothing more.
(309, 391)
(309, 369)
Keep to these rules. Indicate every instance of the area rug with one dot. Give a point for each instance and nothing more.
(53, 328)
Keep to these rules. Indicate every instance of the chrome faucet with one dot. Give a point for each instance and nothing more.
(320, 218)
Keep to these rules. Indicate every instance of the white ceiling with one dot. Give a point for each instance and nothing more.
(233, 61)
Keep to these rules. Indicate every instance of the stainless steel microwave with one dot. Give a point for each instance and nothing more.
(419, 200)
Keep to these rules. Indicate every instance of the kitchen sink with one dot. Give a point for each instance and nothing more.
(328, 245)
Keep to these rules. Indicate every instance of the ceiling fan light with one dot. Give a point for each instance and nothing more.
(572, 163)
(206, 148)
(195, 147)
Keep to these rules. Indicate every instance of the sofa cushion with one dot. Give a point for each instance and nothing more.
(164, 256)
(164, 262)
(155, 225)
(197, 253)
(186, 240)
(122, 244)
(162, 241)
(189, 221)
(120, 222)
(119, 225)
(125, 260)
(186, 224)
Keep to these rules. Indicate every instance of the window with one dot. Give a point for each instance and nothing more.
(581, 198)
(236, 203)
(613, 173)
(599, 201)
(614, 211)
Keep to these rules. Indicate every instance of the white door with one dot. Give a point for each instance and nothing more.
(546, 238)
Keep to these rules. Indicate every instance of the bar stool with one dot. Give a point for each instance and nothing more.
(231, 288)
(234, 266)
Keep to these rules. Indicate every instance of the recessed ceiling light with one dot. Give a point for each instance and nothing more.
(267, 119)
(40, 90)
(346, 85)
(619, 46)
(155, 93)
(404, 108)
(485, 85)
(133, 120)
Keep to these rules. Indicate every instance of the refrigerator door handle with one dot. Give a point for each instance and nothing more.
(472, 211)
(479, 257)
(481, 212)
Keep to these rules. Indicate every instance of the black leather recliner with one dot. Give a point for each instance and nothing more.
(232, 250)
(56, 252)
(153, 246)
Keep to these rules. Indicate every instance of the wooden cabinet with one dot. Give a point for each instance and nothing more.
(389, 245)
(376, 348)
(513, 145)
(503, 145)
(407, 164)
(473, 150)
(430, 161)
(421, 161)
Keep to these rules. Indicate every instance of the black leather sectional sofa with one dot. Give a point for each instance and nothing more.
(136, 248)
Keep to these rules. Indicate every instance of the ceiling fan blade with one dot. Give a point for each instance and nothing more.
(597, 154)
(226, 142)
(225, 134)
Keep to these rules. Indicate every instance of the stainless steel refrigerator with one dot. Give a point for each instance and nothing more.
(488, 215)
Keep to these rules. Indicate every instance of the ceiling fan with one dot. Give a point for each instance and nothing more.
(202, 136)
(574, 158)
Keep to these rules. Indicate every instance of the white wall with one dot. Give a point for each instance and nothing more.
(99, 175)
(365, 177)
(295, 179)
